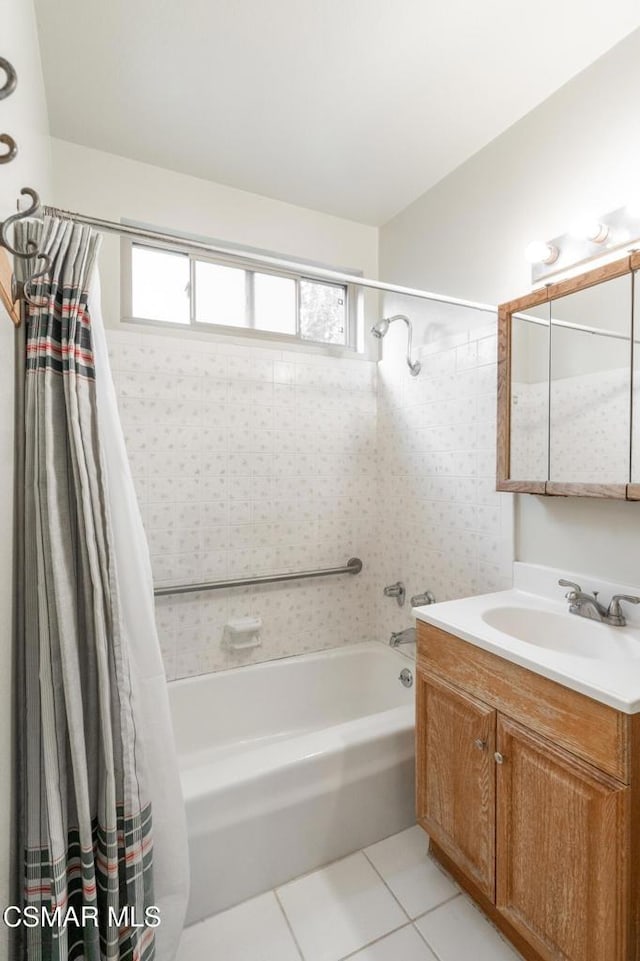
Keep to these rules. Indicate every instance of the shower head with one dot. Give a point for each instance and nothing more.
(380, 329)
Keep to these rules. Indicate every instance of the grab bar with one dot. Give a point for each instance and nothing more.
(353, 566)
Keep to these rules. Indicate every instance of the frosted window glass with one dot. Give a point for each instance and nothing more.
(275, 303)
(221, 295)
(323, 312)
(160, 285)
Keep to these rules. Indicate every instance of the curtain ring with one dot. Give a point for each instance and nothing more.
(12, 78)
(12, 148)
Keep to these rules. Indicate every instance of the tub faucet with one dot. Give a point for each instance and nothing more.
(421, 600)
(408, 636)
(588, 605)
(396, 590)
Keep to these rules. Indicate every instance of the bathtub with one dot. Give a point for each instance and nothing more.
(290, 764)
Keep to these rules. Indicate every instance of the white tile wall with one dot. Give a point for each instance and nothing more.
(589, 413)
(442, 525)
(250, 461)
(529, 454)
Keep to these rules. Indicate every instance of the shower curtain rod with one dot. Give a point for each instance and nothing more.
(571, 325)
(320, 273)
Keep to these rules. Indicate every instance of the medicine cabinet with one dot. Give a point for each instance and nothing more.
(569, 387)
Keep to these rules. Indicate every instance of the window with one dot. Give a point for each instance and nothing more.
(220, 295)
(175, 287)
(160, 285)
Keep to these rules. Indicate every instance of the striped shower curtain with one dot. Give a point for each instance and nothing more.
(101, 816)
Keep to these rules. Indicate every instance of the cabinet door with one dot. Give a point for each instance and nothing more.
(455, 776)
(561, 858)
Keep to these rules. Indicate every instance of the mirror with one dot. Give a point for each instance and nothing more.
(635, 414)
(590, 390)
(569, 387)
(529, 396)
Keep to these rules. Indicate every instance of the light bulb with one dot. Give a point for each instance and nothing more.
(540, 252)
(633, 208)
(595, 231)
(591, 229)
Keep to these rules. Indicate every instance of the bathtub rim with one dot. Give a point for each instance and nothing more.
(307, 656)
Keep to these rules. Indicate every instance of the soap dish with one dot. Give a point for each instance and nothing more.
(242, 633)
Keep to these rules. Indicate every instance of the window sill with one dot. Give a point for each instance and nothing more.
(261, 340)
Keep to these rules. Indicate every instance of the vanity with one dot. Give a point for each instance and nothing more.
(528, 763)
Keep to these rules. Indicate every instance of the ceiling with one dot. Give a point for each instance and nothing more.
(352, 107)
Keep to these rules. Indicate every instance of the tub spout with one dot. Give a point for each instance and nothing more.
(408, 636)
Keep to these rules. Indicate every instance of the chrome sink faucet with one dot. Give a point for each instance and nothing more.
(588, 605)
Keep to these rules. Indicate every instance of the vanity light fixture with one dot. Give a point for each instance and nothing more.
(594, 238)
(541, 252)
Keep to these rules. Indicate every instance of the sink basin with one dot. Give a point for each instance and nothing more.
(530, 626)
(563, 633)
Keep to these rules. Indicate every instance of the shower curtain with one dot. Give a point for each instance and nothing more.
(102, 818)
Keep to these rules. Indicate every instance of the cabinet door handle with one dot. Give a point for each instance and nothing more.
(480, 744)
(498, 757)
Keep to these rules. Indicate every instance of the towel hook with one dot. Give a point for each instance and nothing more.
(5, 91)
(12, 148)
(26, 287)
(32, 247)
(31, 251)
(12, 78)
(6, 156)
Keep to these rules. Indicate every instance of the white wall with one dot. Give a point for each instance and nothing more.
(24, 113)
(24, 116)
(578, 151)
(104, 185)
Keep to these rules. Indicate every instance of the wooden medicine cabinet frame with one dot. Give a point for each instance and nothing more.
(600, 275)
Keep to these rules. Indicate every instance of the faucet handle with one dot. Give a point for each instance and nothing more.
(615, 611)
(421, 600)
(396, 590)
(575, 589)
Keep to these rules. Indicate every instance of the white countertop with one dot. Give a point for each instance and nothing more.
(613, 679)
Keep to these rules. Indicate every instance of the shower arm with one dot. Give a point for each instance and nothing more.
(413, 365)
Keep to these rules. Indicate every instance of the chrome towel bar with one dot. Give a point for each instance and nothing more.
(353, 566)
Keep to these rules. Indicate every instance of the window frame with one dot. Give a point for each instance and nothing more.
(352, 299)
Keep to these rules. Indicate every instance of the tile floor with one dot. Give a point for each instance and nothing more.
(388, 902)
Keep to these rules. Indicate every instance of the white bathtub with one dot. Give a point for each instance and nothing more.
(290, 764)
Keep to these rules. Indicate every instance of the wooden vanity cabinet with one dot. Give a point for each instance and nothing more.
(456, 746)
(560, 877)
(539, 826)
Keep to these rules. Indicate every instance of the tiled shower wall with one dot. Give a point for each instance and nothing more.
(444, 526)
(574, 452)
(250, 461)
